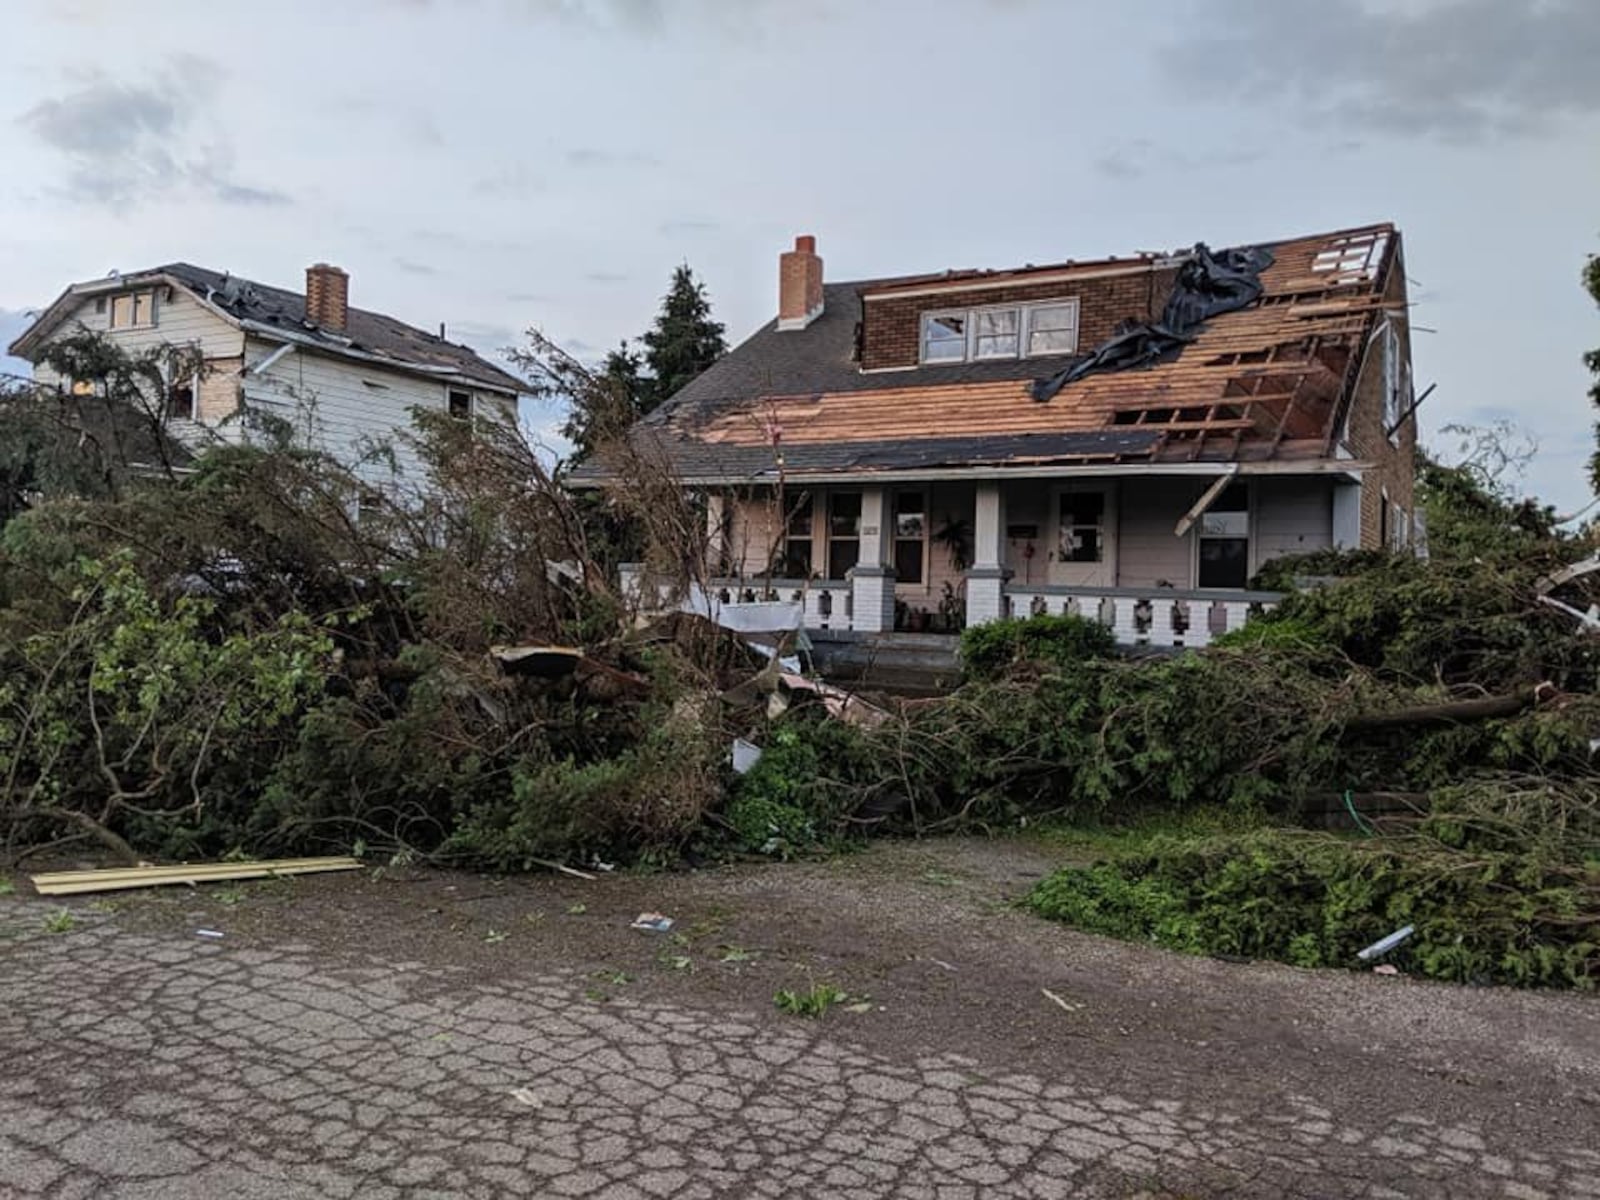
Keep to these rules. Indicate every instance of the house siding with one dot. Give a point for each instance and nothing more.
(348, 409)
(1394, 462)
(1292, 516)
(891, 334)
(180, 321)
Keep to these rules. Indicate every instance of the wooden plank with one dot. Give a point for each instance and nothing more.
(70, 883)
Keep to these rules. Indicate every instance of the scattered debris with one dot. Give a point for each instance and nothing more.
(1386, 969)
(1064, 1005)
(577, 910)
(544, 662)
(652, 922)
(213, 934)
(1383, 945)
(745, 755)
(523, 1095)
(68, 883)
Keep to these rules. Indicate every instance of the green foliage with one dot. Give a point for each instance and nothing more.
(803, 787)
(988, 651)
(60, 921)
(684, 341)
(1506, 908)
(812, 1003)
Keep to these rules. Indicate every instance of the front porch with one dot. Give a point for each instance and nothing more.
(1163, 558)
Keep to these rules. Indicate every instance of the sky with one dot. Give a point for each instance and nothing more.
(505, 164)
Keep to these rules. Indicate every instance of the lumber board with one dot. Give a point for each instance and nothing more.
(112, 879)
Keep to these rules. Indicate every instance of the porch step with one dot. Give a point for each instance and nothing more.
(912, 664)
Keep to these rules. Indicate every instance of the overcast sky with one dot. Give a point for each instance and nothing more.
(497, 164)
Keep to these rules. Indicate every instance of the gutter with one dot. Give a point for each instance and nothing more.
(1352, 468)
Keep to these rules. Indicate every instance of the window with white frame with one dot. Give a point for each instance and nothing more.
(131, 310)
(1000, 331)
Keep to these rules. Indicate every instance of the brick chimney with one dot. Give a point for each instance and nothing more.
(328, 297)
(799, 284)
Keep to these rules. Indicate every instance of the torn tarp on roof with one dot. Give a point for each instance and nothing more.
(1207, 285)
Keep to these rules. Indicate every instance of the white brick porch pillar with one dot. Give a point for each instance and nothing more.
(986, 578)
(872, 579)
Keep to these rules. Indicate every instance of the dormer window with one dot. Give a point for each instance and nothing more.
(1000, 331)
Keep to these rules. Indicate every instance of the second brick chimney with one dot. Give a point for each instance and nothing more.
(799, 284)
(328, 297)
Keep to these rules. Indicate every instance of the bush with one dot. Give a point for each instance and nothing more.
(1493, 898)
(988, 651)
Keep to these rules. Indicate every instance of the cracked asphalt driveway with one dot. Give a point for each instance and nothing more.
(424, 1034)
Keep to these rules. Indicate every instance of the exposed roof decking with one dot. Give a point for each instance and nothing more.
(1266, 381)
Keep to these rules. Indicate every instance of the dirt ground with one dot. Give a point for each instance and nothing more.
(937, 960)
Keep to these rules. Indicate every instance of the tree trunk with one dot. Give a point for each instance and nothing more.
(1450, 712)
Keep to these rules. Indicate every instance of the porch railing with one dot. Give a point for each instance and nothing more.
(1156, 617)
(823, 603)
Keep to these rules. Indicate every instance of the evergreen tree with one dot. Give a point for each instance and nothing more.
(685, 340)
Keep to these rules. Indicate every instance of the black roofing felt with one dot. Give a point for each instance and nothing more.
(367, 332)
(701, 460)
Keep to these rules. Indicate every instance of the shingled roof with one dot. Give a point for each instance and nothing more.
(1270, 380)
(367, 336)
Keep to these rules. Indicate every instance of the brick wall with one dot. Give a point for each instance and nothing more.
(892, 328)
(1364, 429)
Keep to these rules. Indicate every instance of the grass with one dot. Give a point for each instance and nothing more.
(61, 921)
(1088, 841)
(812, 1003)
(7, 888)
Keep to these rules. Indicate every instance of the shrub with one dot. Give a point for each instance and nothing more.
(1492, 897)
(988, 650)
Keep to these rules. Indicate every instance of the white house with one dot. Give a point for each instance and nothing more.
(341, 377)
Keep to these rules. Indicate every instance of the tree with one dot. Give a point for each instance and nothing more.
(685, 340)
(630, 382)
(1591, 283)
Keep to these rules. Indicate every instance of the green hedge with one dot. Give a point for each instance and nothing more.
(988, 651)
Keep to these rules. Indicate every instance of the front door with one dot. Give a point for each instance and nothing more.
(1084, 551)
(1225, 540)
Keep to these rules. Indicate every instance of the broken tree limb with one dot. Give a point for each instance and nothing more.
(1451, 712)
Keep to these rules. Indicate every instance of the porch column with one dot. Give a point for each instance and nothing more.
(1347, 516)
(872, 579)
(987, 576)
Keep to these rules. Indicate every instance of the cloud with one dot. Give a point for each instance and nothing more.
(1455, 71)
(605, 277)
(592, 156)
(1137, 157)
(125, 143)
(412, 267)
(512, 181)
(687, 226)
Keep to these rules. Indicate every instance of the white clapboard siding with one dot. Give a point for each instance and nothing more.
(181, 320)
(343, 407)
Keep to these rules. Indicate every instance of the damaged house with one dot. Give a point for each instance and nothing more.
(336, 377)
(1127, 439)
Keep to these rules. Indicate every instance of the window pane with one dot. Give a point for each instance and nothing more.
(1224, 562)
(1053, 316)
(909, 515)
(796, 562)
(843, 553)
(908, 561)
(944, 337)
(142, 308)
(1052, 341)
(844, 515)
(1083, 508)
(996, 321)
(121, 312)
(1225, 525)
(800, 516)
(999, 346)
